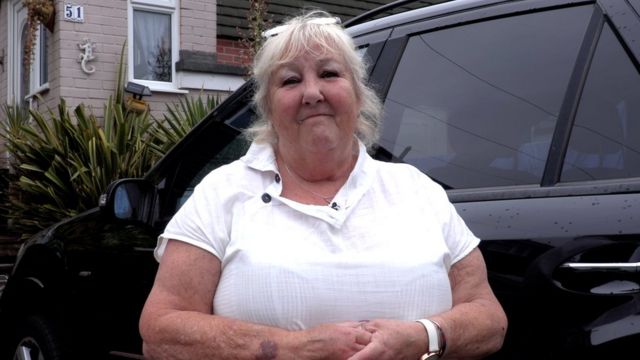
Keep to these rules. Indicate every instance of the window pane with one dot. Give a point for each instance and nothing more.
(152, 46)
(24, 76)
(44, 56)
(476, 105)
(604, 141)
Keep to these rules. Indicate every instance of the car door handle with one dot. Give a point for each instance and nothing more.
(619, 267)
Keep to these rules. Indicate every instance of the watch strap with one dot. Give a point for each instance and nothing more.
(433, 333)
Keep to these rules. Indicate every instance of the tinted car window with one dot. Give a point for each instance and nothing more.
(604, 140)
(482, 108)
(234, 150)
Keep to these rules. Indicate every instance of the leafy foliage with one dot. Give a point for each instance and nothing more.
(61, 163)
(258, 20)
(62, 166)
(38, 12)
(179, 119)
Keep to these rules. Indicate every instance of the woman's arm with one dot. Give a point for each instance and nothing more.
(474, 327)
(177, 321)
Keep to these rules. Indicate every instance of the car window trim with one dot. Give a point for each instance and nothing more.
(627, 16)
(571, 102)
(573, 189)
(385, 68)
(372, 54)
(489, 12)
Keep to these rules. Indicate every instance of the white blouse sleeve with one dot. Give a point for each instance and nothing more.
(202, 221)
(459, 239)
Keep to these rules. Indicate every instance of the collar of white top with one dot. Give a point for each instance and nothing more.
(261, 157)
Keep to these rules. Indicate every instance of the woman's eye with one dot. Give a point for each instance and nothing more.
(329, 74)
(290, 80)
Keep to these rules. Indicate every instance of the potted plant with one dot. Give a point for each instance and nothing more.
(38, 12)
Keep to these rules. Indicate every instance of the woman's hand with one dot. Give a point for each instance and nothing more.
(474, 327)
(177, 322)
(393, 340)
(332, 341)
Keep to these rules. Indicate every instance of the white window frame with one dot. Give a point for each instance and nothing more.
(17, 14)
(36, 74)
(163, 7)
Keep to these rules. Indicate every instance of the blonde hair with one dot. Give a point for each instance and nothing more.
(304, 34)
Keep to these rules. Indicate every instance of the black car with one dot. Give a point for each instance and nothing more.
(527, 112)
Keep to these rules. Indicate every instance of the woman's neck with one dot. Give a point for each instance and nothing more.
(326, 166)
(315, 179)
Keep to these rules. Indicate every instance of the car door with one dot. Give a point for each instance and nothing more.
(110, 259)
(110, 270)
(528, 114)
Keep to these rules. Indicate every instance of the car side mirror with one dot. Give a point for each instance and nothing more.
(128, 199)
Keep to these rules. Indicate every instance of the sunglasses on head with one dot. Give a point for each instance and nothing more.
(317, 21)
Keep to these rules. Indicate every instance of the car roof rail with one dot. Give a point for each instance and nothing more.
(373, 12)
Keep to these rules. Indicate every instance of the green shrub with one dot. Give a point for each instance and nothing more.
(179, 119)
(61, 164)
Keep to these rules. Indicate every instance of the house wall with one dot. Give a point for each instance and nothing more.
(4, 49)
(3, 70)
(106, 25)
(198, 25)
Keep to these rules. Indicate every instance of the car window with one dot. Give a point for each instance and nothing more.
(604, 140)
(231, 152)
(212, 144)
(476, 105)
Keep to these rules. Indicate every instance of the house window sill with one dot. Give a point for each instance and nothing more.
(38, 91)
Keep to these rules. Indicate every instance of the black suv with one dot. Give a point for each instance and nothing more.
(527, 112)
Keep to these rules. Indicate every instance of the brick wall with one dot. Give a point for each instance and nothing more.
(232, 52)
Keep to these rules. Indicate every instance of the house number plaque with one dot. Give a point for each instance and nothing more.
(73, 13)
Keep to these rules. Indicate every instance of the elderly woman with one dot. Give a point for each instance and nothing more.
(307, 248)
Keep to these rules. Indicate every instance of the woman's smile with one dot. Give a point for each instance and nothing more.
(306, 117)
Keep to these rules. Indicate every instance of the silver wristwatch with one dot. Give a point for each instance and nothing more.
(437, 342)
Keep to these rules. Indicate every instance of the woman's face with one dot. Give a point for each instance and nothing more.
(313, 104)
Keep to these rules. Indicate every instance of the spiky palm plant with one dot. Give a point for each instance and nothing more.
(62, 162)
(62, 166)
(179, 119)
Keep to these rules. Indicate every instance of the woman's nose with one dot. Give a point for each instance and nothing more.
(312, 92)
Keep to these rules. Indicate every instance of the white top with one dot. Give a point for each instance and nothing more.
(384, 253)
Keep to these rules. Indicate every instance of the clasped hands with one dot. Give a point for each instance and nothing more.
(366, 340)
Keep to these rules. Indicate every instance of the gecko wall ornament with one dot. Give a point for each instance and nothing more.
(87, 46)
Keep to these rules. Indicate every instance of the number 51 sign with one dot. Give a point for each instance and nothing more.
(73, 13)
